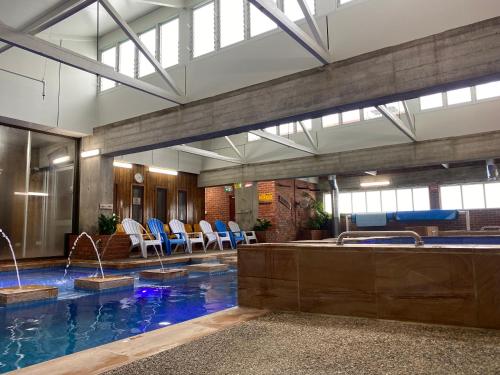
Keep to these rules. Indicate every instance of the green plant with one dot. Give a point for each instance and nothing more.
(107, 224)
(262, 224)
(319, 218)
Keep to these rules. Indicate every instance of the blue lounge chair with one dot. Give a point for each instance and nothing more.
(221, 228)
(158, 230)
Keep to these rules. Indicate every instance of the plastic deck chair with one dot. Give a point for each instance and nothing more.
(223, 232)
(213, 237)
(157, 228)
(177, 227)
(135, 232)
(249, 235)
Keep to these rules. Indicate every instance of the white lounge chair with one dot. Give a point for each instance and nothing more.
(213, 237)
(177, 226)
(136, 233)
(249, 235)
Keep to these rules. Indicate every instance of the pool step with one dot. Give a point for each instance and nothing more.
(108, 282)
(27, 293)
(165, 274)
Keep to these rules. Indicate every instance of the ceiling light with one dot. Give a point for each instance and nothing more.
(60, 160)
(32, 193)
(90, 153)
(121, 164)
(375, 183)
(371, 173)
(163, 171)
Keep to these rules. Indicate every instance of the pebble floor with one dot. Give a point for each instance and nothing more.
(289, 343)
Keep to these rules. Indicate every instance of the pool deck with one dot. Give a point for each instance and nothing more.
(119, 353)
(119, 264)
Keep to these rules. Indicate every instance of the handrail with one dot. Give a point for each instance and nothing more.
(402, 233)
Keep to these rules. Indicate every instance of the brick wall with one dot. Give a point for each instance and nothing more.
(216, 204)
(287, 222)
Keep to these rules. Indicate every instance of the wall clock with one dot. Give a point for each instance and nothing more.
(138, 178)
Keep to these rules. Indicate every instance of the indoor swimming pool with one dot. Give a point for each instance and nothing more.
(78, 320)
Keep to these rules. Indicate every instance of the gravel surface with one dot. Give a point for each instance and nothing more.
(289, 343)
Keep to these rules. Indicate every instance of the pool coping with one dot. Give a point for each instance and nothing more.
(119, 353)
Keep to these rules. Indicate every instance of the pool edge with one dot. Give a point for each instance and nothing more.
(119, 353)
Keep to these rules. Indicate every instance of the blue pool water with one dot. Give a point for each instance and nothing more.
(79, 320)
(455, 240)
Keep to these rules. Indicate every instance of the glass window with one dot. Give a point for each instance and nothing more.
(293, 10)
(371, 113)
(203, 29)
(127, 58)
(459, 96)
(389, 202)
(252, 137)
(307, 123)
(182, 206)
(492, 191)
(405, 199)
(473, 196)
(271, 129)
(358, 202)
(396, 108)
(231, 22)
(373, 203)
(259, 22)
(431, 101)
(488, 90)
(345, 204)
(421, 201)
(451, 197)
(108, 57)
(327, 203)
(149, 40)
(330, 120)
(169, 50)
(350, 116)
(286, 129)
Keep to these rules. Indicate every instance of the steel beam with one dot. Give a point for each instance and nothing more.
(140, 45)
(396, 121)
(205, 153)
(311, 22)
(75, 60)
(409, 117)
(53, 16)
(283, 141)
(271, 10)
(308, 135)
(165, 3)
(233, 146)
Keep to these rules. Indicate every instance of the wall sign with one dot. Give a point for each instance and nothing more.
(265, 197)
(228, 188)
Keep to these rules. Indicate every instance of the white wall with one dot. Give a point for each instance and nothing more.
(21, 98)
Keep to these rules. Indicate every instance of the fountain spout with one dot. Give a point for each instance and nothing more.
(84, 234)
(2, 233)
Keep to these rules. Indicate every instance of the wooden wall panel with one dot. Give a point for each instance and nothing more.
(124, 179)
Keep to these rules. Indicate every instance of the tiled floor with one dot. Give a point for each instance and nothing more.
(297, 343)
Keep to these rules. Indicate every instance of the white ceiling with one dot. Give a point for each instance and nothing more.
(20, 13)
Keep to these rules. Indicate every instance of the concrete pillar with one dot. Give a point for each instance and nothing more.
(96, 188)
(247, 206)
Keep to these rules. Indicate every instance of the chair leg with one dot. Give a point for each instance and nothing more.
(144, 250)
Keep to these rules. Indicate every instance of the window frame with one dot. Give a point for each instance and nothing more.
(159, 41)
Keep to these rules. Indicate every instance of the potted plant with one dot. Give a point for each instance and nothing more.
(111, 245)
(261, 229)
(317, 224)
